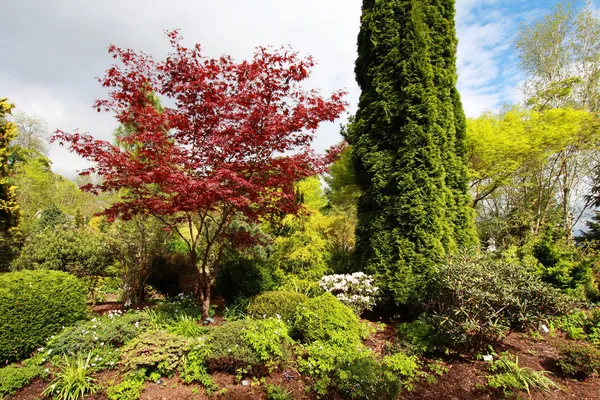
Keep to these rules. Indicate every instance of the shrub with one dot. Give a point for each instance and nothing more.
(326, 318)
(73, 381)
(365, 378)
(276, 392)
(476, 301)
(130, 388)
(354, 290)
(511, 377)
(579, 360)
(320, 361)
(82, 251)
(276, 304)
(35, 305)
(404, 366)
(110, 330)
(242, 276)
(155, 351)
(13, 378)
(186, 325)
(417, 336)
(193, 370)
(244, 343)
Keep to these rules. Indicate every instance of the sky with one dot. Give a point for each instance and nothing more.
(52, 50)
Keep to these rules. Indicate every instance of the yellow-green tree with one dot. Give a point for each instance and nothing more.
(10, 215)
(527, 168)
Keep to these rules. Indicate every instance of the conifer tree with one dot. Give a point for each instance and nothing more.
(408, 144)
(10, 215)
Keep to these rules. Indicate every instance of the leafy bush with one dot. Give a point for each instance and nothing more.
(354, 290)
(73, 381)
(325, 318)
(276, 304)
(365, 378)
(276, 392)
(193, 370)
(245, 343)
(13, 378)
(110, 330)
(35, 305)
(579, 360)
(417, 336)
(475, 301)
(242, 276)
(511, 377)
(130, 388)
(404, 366)
(82, 252)
(320, 361)
(154, 351)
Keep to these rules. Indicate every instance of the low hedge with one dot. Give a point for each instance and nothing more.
(35, 305)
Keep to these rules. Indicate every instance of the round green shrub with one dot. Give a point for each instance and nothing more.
(365, 378)
(326, 318)
(35, 305)
(246, 343)
(276, 303)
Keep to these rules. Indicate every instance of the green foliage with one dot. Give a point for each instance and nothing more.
(354, 371)
(408, 145)
(243, 276)
(320, 361)
(193, 369)
(186, 325)
(35, 305)
(579, 360)
(562, 265)
(365, 378)
(130, 388)
(82, 252)
(325, 318)
(10, 213)
(111, 330)
(243, 343)
(13, 377)
(154, 351)
(510, 377)
(417, 336)
(276, 392)
(276, 304)
(475, 301)
(404, 366)
(73, 380)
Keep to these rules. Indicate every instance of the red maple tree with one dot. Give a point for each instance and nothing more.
(230, 144)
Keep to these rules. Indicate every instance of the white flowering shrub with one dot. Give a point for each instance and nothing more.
(356, 290)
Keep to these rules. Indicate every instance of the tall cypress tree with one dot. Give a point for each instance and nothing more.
(408, 143)
(10, 214)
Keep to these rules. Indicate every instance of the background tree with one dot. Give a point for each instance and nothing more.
(33, 132)
(560, 54)
(10, 215)
(407, 143)
(234, 143)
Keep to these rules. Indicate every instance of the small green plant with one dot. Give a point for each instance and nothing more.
(237, 310)
(510, 377)
(404, 366)
(435, 370)
(73, 380)
(130, 388)
(13, 377)
(365, 378)
(574, 332)
(186, 325)
(579, 360)
(417, 337)
(276, 392)
(535, 335)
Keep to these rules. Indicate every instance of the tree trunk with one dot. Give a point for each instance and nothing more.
(205, 299)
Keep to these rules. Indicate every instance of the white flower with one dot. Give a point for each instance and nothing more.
(46, 370)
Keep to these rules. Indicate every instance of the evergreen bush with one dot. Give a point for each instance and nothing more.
(35, 305)
(325, 318)
(276, 303)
